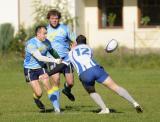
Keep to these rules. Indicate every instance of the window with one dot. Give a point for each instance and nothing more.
(148, 12)
(110, 13)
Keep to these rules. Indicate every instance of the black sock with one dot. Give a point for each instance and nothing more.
(67, 88)
(36, 97)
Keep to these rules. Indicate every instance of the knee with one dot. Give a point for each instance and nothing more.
(69, 84)
(90, 90)
(55, 77)
(38, 94)
(44, 78)
(70, 81)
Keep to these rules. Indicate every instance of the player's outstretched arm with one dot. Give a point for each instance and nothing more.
(40, 57)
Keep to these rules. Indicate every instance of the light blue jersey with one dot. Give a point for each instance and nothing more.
(81, 58)
(60, 38)
(31, 46)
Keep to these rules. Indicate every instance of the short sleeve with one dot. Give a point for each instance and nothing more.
(31, 47)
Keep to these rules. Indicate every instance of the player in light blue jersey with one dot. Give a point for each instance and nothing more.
(89, 71)
(61, 38)
(35, 57)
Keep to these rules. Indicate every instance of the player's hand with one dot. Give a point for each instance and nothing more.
(58, 61)
(73, 44)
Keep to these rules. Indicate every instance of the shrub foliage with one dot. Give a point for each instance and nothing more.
(6, 37)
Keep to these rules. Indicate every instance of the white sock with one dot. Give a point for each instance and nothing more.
(135, 104)
(98, 100)
(124, 93)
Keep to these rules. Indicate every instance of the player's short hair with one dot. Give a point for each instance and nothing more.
(38, 28)
(81, 39)
(54, 12)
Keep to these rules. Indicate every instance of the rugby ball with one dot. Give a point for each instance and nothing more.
(111, 46)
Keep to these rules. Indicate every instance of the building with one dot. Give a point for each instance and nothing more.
(9, 12)
(128, 28)
(134, 23)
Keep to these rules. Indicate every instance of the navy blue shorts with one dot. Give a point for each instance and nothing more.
(33, 74)
(96, 73)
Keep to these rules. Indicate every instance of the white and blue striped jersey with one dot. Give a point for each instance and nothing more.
(60, 38)
(31, 46)
(81, 58)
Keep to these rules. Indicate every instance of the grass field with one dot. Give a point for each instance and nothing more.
(16, 104)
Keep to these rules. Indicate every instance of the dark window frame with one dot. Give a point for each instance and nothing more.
(141, 12)
(100, 26)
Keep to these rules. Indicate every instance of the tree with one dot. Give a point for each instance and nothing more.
(40, 17)
(42, 9)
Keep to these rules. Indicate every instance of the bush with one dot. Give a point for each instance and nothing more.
(111, 19)
(6, 37)
(145, 20)
(19, 41)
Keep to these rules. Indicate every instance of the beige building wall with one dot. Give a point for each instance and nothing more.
(99, 37)
(9, 12)
(129, 35)
(26, 13)
(80, 14)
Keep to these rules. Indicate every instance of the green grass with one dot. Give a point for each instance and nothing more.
(16, 104)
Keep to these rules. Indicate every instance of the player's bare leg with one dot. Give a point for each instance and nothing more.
(55, 79)
(37, 93)
(53, 92)
(68, 85)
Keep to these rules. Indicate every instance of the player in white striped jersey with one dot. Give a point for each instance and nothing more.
(89, 71)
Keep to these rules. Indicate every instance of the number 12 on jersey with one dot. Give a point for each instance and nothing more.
(82, 51)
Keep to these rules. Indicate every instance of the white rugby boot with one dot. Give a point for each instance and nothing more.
(138, 107)
(105, 111)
